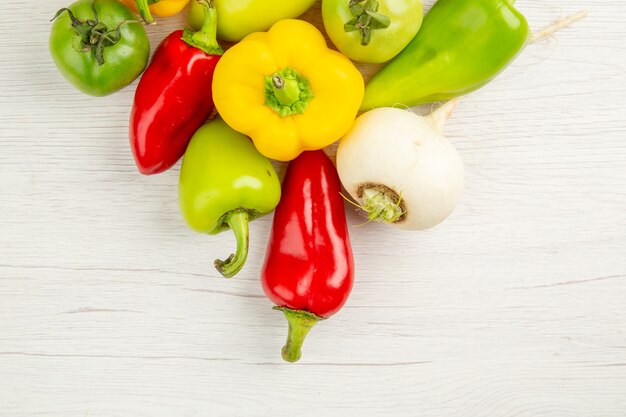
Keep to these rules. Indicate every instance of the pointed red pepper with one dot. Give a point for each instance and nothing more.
(309, 268)
(174, 97)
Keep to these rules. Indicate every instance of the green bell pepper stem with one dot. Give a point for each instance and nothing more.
(144, 11)
(237, 220)
(300, 322)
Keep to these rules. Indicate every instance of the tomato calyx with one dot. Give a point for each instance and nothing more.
(366, 19)
(94, 35)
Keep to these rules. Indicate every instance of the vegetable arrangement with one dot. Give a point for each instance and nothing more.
(282, 94)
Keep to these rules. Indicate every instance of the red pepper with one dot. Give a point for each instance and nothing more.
(309, 269)
(173, 98)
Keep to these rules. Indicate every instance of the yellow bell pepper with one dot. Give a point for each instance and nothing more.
(163, 8)
(286, 90)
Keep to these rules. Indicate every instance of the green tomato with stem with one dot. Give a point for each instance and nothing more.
(98, 46)
(372, 31)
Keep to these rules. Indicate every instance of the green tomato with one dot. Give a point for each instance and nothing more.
(372, 31)
(98, 46)
(236, 19)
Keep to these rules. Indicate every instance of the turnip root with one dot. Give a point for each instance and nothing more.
(400, 168)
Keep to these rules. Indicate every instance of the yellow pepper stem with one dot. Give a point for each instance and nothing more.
(287, 92)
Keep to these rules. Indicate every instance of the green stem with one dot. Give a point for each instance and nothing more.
(300, 322)
(237, 220)
(144, 11)
(287, 92)
(205, 38)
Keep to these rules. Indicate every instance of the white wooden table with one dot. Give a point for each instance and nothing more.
(516, 306)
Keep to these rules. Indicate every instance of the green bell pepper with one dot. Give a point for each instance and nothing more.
(236, 19)
(462, 45)
(225, 183)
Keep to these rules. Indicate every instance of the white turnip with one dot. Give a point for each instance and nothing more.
(400, 168)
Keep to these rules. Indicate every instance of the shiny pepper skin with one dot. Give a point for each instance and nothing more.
(287, 90)
(309, 268)
(224, 184)
(462, 45)
(174, 97)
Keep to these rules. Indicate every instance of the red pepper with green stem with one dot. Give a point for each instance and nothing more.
(174, 97)
(309, 268)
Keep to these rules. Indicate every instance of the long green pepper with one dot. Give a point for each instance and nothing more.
(462, 45)
(224, 184)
